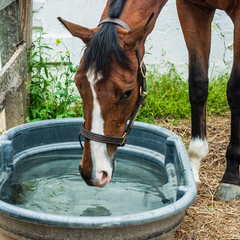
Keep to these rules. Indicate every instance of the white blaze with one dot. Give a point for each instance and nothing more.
(198, 149)
(98, 150)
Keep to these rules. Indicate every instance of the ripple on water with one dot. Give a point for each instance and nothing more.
(50, 183)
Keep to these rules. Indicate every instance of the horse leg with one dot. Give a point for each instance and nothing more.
(196, 26)
(229, 187)
(231, 175)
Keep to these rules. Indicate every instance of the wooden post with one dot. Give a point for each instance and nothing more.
(26, 9)
(26, 21)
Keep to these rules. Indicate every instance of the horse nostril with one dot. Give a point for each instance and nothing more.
(102, 179)
(104, 176)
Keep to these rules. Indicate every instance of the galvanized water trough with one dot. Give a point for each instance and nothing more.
(157, 145)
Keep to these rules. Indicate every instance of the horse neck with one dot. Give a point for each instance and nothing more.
(136, 11)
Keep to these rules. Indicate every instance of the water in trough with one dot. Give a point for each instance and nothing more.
(51, 183)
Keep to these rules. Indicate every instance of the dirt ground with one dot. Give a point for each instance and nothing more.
(209, 218)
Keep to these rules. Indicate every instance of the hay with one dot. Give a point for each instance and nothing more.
(208, 218)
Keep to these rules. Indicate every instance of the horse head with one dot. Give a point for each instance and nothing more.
(107, 79)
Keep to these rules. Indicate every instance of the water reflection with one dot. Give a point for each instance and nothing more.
(96, 210)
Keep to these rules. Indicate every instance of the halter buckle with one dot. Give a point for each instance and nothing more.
(141, 69)
(124, 136)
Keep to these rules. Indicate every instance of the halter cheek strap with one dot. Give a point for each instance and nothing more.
(121, 141)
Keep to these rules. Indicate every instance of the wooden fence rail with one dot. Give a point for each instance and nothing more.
(5, 3)
(13, 90)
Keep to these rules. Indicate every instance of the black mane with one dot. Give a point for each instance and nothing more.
(104, 46)
(116, 8)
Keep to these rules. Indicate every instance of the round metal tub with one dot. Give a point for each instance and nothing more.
(157, 145)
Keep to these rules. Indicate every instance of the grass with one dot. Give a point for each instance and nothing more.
(168, 96)
(217, 99)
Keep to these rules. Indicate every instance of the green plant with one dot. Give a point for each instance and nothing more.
(217, 98)
(168, 96)
(51, 90)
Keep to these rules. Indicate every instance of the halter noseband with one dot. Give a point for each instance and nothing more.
(120, 141)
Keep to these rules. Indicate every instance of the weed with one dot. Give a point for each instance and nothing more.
(210, 208)
(51, 88)
(168, 96)
(217, 98)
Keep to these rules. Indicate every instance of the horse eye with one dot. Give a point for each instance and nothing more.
(127, 94)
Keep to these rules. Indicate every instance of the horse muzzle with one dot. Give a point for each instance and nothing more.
(101, 178)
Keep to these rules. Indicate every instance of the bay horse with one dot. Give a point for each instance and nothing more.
(108, 80)
(111, 81)
(195, 18)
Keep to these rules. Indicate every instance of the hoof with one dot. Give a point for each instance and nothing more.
(228, 192)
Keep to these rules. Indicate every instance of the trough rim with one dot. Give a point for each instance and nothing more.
(106, 221)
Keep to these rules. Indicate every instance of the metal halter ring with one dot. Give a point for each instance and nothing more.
(142, 93)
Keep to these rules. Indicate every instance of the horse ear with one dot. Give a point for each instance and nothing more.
(85, 34)
(136, 34)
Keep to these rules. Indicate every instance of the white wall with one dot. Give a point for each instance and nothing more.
(166, 37)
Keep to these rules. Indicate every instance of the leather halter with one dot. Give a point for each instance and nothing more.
(120, 141)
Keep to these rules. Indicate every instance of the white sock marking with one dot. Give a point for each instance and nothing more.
(198, 149)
